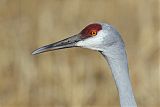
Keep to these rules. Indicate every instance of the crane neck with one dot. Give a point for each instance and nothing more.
(117, 60)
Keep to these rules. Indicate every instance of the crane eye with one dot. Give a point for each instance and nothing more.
(93, 33)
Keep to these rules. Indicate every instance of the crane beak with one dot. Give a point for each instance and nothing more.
(66, 43)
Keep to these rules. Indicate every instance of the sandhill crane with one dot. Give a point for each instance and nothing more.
(105, 39)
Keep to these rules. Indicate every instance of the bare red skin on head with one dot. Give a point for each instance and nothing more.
(86, 32)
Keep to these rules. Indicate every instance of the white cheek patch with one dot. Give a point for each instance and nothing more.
(94, 42)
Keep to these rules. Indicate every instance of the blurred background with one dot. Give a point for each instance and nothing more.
(75, 77)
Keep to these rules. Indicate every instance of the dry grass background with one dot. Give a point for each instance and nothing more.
(75, 77)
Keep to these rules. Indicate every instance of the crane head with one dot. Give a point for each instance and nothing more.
(94, 36)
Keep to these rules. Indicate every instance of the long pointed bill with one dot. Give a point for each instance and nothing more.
(66, 43)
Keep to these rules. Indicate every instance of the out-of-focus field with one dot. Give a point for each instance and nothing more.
(75, 77)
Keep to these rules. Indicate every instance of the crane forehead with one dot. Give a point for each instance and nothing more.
(92, 27)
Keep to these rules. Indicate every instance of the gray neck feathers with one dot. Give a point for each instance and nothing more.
(116, 57)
